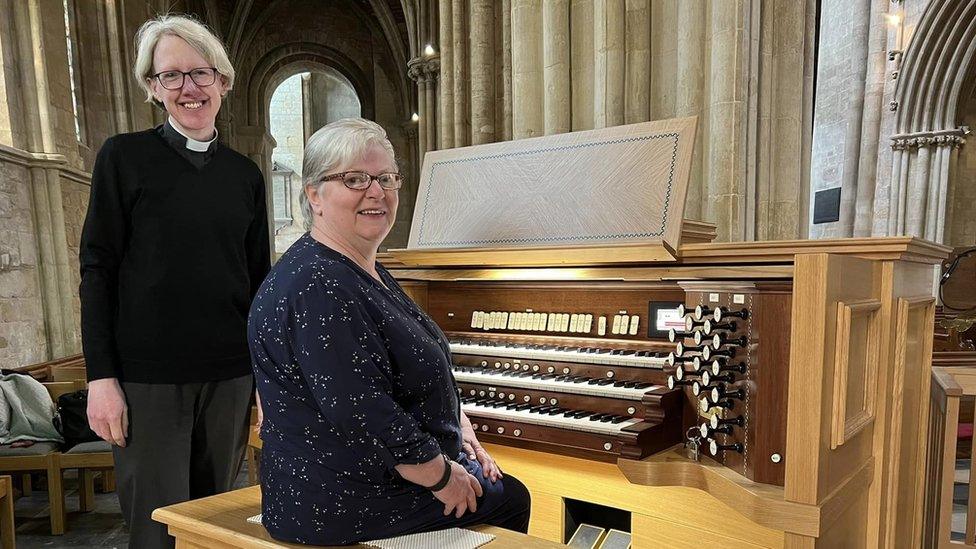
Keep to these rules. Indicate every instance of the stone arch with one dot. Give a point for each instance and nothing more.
(927, 138)
(288, 59)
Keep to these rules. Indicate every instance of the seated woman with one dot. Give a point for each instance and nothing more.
(363, 433)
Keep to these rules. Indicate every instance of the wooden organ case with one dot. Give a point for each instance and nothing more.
(599, 339)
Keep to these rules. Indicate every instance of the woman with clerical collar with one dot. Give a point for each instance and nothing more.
(174, 247)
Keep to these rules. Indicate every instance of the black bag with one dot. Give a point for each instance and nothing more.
(73, 409)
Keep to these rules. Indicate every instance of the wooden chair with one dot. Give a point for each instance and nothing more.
(7, 528)
(42, 457)
(88, 458)
(252, 454)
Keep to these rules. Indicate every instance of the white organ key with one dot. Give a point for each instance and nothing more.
(601, 326)
(634, 323)
(487, 318)
(475, 317)
(615, 327)
(589, 323)
(561, 355)
(550, 322)
(564, 327)
(559, 421)
(527, 382)
(624, 323)
(524, 322)
(504, 321)
(574, 322)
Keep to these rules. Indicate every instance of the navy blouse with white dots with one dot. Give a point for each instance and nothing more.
(354, 379)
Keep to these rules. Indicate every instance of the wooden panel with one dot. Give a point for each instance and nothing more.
(855, 369)
(814, 471)
(653, 532)
(548, 516)
(604, 484)
(905, 452)
(760, 503)
(417, 291)
(525, 181)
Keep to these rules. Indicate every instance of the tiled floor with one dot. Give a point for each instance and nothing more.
(102, 528)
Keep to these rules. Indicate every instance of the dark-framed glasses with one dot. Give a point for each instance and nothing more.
(360, 181)
(174, 80)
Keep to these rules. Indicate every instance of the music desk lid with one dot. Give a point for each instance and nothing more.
(607, 196)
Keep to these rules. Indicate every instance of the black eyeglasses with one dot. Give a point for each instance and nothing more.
(174, 80)
(360, 181)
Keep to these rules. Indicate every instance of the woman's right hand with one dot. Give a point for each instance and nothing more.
(108, 414)
(460, 493)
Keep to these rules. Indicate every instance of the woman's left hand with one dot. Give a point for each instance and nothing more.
(474, 450)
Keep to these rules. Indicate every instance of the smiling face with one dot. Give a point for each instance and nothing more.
(193, 107)
(360, 219)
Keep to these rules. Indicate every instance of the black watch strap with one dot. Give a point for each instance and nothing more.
(445, 478)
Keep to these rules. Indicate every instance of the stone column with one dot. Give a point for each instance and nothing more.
(637, 98)
(724, 203)
(429, 118)
(415, 69)
(527, 79)
(867, 169)
(609, 62)
(506, 56)
(581, 53)
(688, 92)
(556, 66)
(446, 100)
(459, 31)
(256, 143)
(482, 72)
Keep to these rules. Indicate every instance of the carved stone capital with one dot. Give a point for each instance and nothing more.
(422, 69)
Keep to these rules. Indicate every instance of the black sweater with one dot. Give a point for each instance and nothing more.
(171, 256)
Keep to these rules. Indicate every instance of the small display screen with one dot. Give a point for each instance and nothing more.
(663, 316)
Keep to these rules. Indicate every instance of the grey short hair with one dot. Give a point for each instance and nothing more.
(332, 148)
(193, 32)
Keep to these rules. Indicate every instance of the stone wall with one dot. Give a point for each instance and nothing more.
(22, 336)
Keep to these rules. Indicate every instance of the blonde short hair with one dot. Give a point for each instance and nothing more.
(334, 146)
(193, 32)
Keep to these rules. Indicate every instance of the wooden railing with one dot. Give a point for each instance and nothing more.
(953, 388)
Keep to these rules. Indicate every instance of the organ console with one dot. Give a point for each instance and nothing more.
(784, 381)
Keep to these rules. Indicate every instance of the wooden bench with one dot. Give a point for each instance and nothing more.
(7, 528)
(220, 522)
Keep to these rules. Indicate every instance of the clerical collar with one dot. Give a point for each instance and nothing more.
(191, 144)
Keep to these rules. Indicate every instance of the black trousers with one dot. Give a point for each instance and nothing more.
(184, 442)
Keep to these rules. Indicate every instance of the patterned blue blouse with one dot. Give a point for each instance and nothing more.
(354, 379)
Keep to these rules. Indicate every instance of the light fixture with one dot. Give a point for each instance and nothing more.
(414, 117)
(428, 50)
